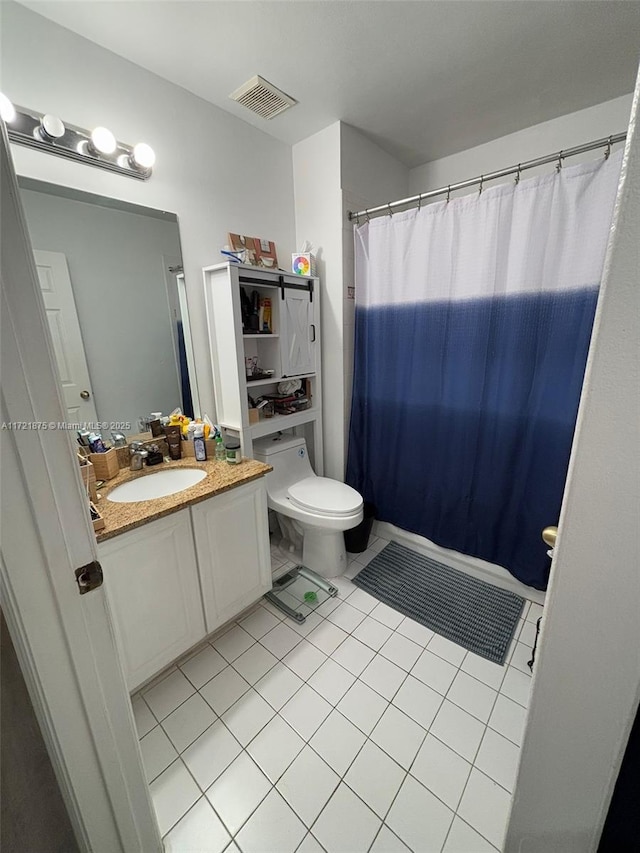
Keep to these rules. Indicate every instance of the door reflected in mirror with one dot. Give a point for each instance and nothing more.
(114, 293)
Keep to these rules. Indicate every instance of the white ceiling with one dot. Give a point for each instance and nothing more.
(422, 79)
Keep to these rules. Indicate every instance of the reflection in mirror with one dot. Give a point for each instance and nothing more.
(114, 293)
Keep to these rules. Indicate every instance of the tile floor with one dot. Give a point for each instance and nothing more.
(357, 731)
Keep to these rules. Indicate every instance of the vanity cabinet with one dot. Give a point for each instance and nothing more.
(151, 581)
(171, 582)
(230, 533)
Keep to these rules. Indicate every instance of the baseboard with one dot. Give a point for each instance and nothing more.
(473, 566)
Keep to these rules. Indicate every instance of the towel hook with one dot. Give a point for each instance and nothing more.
(481, 184)
(559, 163)
(607, 153)
(448, 193)
(518, 173)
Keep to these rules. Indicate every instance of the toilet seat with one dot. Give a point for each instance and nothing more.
(323, 496)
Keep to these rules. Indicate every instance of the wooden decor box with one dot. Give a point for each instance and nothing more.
(105, 465)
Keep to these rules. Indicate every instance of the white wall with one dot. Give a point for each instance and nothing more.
(115, 261)
(550, 136)
(218, 174)
(316, 169)
(587, 679)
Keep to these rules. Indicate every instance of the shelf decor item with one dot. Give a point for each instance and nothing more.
(258, 253)
(303, 263)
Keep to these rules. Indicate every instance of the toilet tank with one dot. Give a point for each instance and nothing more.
(289, 458)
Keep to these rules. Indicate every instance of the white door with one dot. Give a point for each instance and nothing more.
(66, 337)
(298, 347)
(63, 640)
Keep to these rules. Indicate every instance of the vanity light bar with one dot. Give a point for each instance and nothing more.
(98, 147)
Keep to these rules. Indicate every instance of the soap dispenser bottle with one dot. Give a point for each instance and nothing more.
(199, 446)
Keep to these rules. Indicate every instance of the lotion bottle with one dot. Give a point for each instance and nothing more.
(199, 445)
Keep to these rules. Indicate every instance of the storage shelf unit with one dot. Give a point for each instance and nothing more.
(291, 350)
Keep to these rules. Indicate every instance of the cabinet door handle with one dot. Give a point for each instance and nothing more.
(313, 331)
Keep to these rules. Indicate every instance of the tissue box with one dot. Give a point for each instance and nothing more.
(303, 263)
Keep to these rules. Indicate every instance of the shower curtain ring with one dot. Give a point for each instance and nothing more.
(366, 213)
(419, 202)
(481, 184)
(390, 211)
(448, 193)
(559, 163)
(358, 219)
(518, 173)
(607, 153)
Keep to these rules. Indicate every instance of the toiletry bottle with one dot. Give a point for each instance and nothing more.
(220, 451)
(199, 445)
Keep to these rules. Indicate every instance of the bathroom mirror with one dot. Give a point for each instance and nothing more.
(114, 291)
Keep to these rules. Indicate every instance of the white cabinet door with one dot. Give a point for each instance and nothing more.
(151, 580)
(298, 333)
(232, 542)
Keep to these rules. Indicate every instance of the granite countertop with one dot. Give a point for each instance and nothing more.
(221, 476)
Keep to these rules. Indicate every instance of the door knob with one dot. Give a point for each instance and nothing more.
(85, 395)
(549, 535)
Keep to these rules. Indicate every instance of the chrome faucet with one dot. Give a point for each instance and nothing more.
(138, 455)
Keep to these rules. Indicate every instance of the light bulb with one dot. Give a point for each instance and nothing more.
(143, 155)
(7, 110)
(51, 127)
(103, 140)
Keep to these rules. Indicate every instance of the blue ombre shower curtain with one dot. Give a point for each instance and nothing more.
(473, 321)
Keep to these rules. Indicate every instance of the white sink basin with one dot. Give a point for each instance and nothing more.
(157, 485)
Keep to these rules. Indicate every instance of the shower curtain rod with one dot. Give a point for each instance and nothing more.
(559, 156)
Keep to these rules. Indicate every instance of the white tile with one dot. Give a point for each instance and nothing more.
(484, 670)
(472, 695)
(346, 825)
(441, 770)
(528, 634)
(233, 848)
(372, 633)
(383, 676)
(375, 778)
(273, 610)
(212, 753)
(331, 681)
(413, 630)
(516, 686)
(346, 617)
(254, 663)
(188, 722)
(157, 753)
(387, 842)
(485, 805)
(366, 556)
(275, 747)
(418, 701)
(202, 667)
(309, 845)
(498, 758)
(327, 637)
(521, 657)
(308, 784)
(377, 544)
(419, 818)
(508, 718)
(224, 689)
(387, 615)
(326, 607)
(401, 651)
(399, 736)
(200, 829)
(353, 655)
(249, 714)
(363, 706)
(278, 685)
(463, 839)
(311, 621)
(446, 649)
(143, 717)
(534, 612)
(306, 711)
(280, 640)
(458, 729)
(259, 622)
(362, 600)
(233, 643)
(272, 827)
(238, 791)
(338, 741)
(165, 697)
(173, 793)
(305, 659)
(434, 672)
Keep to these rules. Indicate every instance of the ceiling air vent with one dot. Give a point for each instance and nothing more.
(262, 98)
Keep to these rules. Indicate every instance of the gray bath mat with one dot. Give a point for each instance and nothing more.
(474, 614)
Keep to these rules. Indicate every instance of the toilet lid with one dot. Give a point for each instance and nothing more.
(321, 494)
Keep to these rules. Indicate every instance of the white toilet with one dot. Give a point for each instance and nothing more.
(318, 508)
